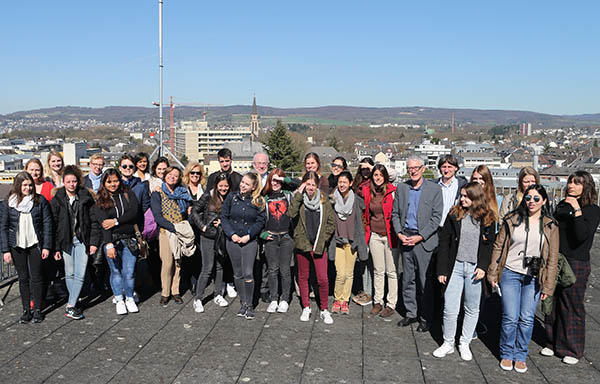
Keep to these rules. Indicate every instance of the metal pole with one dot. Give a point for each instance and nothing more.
(160, 69)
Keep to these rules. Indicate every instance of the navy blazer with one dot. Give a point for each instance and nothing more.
(429, 213)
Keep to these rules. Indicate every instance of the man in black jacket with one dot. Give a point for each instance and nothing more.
(225, 160)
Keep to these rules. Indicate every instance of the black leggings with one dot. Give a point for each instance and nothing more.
(28, 263)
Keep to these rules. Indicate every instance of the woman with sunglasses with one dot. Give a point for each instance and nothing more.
(338, 165)
(464, 253)
(578, 216)
(193, 177)
(136, 185)
(523, 270)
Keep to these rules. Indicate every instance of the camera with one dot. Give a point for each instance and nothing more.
(533, 263)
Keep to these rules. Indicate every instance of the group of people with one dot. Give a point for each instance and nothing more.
(451, 236)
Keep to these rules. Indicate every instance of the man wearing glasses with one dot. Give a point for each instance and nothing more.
(92, 180)
(260, 163)
(416, 216)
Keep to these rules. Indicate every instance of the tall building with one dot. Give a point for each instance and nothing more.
(525, 129)
(72, 152)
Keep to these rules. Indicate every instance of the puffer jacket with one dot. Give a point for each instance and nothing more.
(549, 266)
(41, 215)
(62, 219)
(297, 213)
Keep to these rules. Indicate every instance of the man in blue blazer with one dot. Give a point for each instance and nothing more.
(416, 216)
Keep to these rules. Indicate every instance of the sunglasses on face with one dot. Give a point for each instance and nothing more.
(535, 198)
(337, 166)
(127, 166)
(197, 173)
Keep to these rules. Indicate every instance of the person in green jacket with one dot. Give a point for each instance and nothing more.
(314, 223)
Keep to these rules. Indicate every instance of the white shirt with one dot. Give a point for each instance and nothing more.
(449, 196)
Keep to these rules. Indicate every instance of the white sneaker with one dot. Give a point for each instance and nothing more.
(443, 350)
(305, 316)
(114, 300)
(131, 305)
(198, 307)
(570, 360)
(283, 307)
(136, 297)
(121, 307)
(465, 352)
(272, 308)
(220, 301)
(326, 317)
(231, 292)
(546, 352)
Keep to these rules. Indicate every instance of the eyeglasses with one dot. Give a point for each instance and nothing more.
(535, 198)
(411, 169)
(197, 173)
(98, 164)
(127, 166)
(334, 165)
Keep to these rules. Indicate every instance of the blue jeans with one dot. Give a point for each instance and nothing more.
(75, 264)
(122, 271)
(520, 296)
(462, 278)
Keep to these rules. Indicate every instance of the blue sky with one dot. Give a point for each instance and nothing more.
(529, 55)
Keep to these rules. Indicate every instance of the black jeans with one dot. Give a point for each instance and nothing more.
(28, 263)
(279, 258)
(209, 262)
(242, 258)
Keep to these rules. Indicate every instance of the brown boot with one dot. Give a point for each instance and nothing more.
(376, 309)
(387, 312)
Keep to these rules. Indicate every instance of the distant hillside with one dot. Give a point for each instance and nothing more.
(328, 115)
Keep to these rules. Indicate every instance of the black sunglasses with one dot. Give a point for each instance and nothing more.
(535, 198)
(195, 173)
(334, 165)
(126, 166)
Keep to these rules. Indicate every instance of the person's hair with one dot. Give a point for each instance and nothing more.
(257, 199)
(416, 158)
(526, 171)
(479, 209)
(344, 162)
(224, 153)
(312, 155)
(159, 160)
(450, 159)
(347, 175)
(386, 179)
(39, 163)
(48, 170)
(488, 189)
(267, 188)
(16, 188)
(74, 171)
(104, 199)
(215, 203)
(311, 175)
(127, 156)
(174, 168)
(358, 178)
(139, 156)
(189, 168)
(96, 156)
(589, 195)
(522, 212)
(260, 154)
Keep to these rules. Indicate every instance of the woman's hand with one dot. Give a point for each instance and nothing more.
(278, 178)
(442, 279)
(573, 201)
(301, 187)
(111, 253)
(108, 223)
(479, 274)
(235, 238)
(189, 210)
(93, 249)
(7, 258)
(494, 284)
(204, 229)
(544, 296)
(244, 239)
(56, 255)
(217, 222)
(45, 254)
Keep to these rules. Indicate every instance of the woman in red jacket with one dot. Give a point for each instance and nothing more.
(379, 199)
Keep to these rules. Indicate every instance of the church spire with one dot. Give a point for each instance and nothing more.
(254, 127)
(254, 109)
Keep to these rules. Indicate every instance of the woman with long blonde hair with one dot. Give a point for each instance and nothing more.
(55, 166)
(193, 179)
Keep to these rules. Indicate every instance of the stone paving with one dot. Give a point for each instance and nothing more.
(176, 345)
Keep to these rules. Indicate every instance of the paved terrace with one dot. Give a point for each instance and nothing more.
(176, 345)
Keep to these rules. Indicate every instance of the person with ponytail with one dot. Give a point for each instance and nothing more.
(464, 253)
(242, 220)
(523, 270)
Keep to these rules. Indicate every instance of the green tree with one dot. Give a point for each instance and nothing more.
(283, 152)
(184, 159)
(596, 143)
(333, 142)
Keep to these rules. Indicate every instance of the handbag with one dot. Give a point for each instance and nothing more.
(219, 246)
(141, 242)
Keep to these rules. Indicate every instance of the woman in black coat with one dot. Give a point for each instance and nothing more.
(71, 207)
(26, 238)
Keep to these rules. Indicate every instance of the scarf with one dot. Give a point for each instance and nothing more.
(95, 181)
(343, 209)
(24, 206)
(180, 195)
(314, 203)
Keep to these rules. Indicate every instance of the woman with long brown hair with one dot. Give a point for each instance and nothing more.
(578, 216)
(42, 186)
(464, 253)
(527, 177)
(482, 175)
